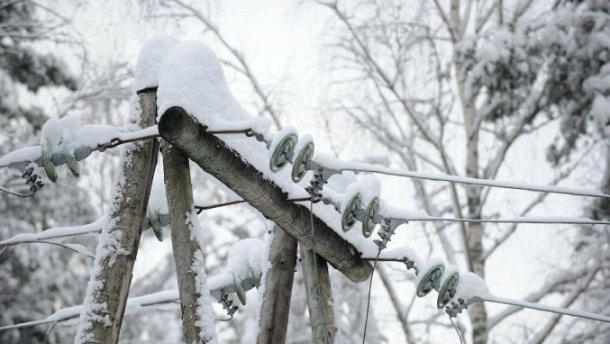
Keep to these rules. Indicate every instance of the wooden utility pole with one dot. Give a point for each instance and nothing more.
(179, 191)
(319, 297)
(211, 154)
(275, 309)
(117, 248)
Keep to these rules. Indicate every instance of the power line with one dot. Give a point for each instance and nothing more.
(542, 308)
(366, 168)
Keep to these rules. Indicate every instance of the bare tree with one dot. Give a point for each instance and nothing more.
(410, 74)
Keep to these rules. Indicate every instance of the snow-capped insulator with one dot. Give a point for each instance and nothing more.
(448, 289)
(300, 164)
(282, 150)
(369, 219)
(348, 216)
(430, 280)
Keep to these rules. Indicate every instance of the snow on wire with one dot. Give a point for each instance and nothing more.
(242, 274)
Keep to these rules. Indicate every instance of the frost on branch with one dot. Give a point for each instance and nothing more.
(568, 48)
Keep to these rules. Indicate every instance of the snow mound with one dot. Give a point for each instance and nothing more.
(247, 260)
(58, 133)
(151, 57)
(471, 287)
(191, 77)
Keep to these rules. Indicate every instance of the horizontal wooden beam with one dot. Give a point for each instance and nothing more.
(212, 155)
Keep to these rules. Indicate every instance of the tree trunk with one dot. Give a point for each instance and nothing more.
(275, 309)
(319, 297)
(179, 193)
(212, 155)
(474, 233)
(118, 243)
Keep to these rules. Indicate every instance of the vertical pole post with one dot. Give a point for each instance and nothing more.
(319, 297)
(275, 309)
(187, 249)
(118, 242)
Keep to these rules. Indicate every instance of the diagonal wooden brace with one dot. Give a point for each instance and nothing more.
(212, 155)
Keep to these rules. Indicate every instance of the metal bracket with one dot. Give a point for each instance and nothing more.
(387, 230)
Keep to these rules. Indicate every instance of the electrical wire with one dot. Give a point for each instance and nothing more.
(542, 308)
(458, 331)
(15, 193)
(368, 300)
(530, 220)
(200, 208)
(366, 168)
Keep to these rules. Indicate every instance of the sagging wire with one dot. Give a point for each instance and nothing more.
(385, 233)
(542, 308)
(54, 243)
(475, 181)
(15, 193)
(368, 300)
(457, 330)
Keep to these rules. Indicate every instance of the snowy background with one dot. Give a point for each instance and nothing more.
(312, 70)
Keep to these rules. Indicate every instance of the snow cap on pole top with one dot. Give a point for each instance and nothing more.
(192, 78)
(151, 57)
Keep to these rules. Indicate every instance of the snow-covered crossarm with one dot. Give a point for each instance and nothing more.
(241, 171)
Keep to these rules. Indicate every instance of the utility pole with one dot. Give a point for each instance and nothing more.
(275, 310)
(107, 292)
